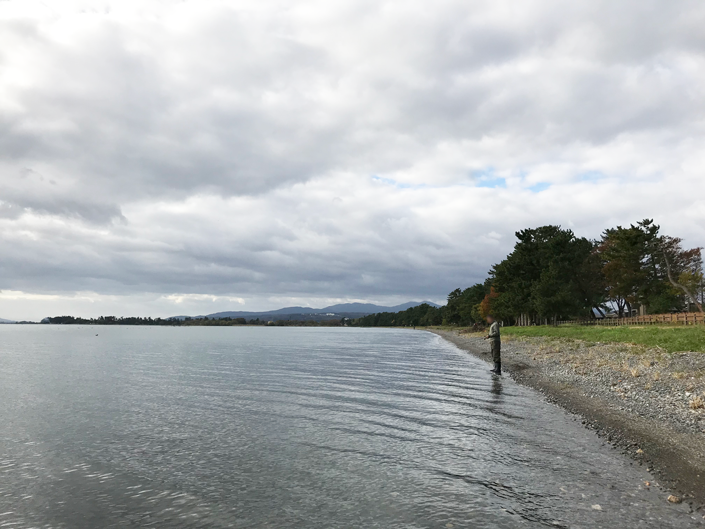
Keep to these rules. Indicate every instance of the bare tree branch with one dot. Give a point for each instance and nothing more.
(678, 285)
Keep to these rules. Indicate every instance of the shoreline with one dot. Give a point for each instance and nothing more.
(673, 450)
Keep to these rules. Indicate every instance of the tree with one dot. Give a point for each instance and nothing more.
(625, 255)
(551, 273)
(590, 281)
(460, 309)
(486, 307)
(684, 268)
(544, 276)
(472, 297)
(452, 313)
(641, 266)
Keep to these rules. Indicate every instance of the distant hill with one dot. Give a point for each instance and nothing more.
(5, 321)
(371, 308)
(342, 310)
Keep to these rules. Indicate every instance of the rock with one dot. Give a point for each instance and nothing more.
(674, 499)
(597, 507)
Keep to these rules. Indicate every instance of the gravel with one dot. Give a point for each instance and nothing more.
(668, 387)
(645, 401)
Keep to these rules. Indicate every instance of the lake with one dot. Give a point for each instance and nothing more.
(292, 427)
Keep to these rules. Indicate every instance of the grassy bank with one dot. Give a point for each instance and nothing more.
(670, 338)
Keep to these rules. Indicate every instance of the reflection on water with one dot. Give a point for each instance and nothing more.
(496, 389)
(276, 427)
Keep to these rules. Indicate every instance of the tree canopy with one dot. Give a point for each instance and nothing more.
(553, 274)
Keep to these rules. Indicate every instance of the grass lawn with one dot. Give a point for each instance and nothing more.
(671, 338)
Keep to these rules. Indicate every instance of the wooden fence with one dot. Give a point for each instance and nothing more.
(680, 318)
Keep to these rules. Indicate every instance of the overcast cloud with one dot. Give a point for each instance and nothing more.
(170, 157)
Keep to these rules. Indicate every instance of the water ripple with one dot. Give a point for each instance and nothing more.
(270, 427)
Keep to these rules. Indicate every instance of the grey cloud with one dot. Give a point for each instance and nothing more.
(92, 212)
(229, 148)
(240, 103)
(269, 246)
(32, 192)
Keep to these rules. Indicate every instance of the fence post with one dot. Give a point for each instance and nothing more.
(681, 318)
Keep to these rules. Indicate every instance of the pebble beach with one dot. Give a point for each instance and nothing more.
(646, 402)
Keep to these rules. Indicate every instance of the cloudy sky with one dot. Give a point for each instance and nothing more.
(163, 157)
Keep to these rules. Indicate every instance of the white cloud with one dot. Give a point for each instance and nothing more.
(179, 299)
(230, 152)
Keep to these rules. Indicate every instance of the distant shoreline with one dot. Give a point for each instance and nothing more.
(673, 450)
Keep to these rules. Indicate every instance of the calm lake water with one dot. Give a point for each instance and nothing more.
(292, 427)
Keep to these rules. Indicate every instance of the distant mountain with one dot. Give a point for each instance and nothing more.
(371, 308)
(6, 321)
(342, 310)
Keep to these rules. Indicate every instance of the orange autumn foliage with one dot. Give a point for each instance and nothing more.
(486, 304)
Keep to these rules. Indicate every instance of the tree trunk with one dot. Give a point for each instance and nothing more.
(620, 307)
(692, 298)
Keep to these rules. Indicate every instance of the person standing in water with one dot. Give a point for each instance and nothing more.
(495, 344)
